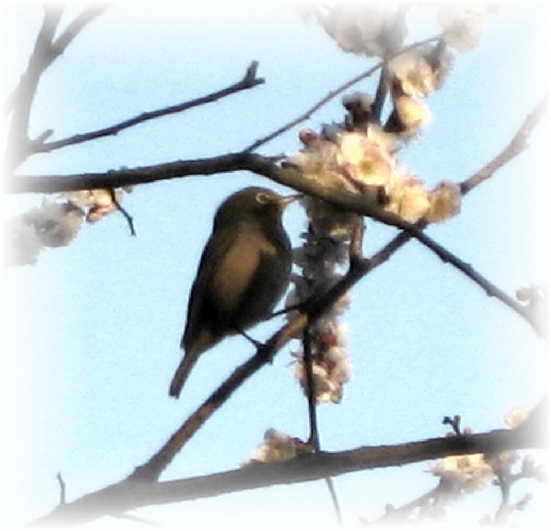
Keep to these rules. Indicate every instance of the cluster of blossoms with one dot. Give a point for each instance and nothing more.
(375, 30)
(97, 203)
(277, 447)
(55, 224)
(471, 472)
(465, 472)
(369, 29)
(51, 224)
(359, 156)
(324, 250)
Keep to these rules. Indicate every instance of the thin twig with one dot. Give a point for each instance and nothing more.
(504, 509)
(307, 114)
(334, 498)
(249, 80)
(454, 422)
(62, 489)
(380, 94)
(467, 269)
(128, 217)
(355, 249)
(313, 438)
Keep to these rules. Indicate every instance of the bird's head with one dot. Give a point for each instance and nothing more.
(256, 203)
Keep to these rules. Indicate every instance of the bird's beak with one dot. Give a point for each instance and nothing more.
(287, 199)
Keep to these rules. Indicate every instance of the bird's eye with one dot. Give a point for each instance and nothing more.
(262, 198)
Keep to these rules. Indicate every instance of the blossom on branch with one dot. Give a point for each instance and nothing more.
(331, 366)
(364, 163)
(422, 70)
(51, 224)
(366, 28)
(55, 224)
(463, 24)
(99, 202)
(277, 447)
(467, 472)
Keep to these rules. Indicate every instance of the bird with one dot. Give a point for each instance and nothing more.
(243, 272)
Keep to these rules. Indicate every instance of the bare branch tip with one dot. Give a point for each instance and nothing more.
(250, 78)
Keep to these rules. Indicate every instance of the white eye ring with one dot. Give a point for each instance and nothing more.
(262, 198)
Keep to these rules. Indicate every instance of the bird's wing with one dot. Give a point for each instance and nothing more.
(201, 306)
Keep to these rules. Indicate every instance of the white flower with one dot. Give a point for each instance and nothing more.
(516, 417)
(98, 201)
(414, 73)
(445, 202)
(363, 28)
(278, 446)
(55, 224)
(413, 115)
(469, 472)
(463, 24)
(408, 197)
(422, 70)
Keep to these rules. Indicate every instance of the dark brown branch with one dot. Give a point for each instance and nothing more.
(380, 94)
(230, 162)
(123, 211)
(306, 115)
(248, 81)
(467, 269)
(128, 494)
(313, 438)
(50, 184)
(355, 249)
(454, 422)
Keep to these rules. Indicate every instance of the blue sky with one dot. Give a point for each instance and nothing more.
(98, 323)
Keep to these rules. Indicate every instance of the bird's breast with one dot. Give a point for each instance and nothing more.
(238, 267)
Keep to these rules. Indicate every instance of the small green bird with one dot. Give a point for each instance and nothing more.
(243, 272)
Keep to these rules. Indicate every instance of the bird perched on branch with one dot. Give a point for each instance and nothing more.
(243, 272)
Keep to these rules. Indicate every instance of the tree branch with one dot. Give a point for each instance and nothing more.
(23, 96)
(307, 114)
(249, 80)
(129, 494)
(45, 52)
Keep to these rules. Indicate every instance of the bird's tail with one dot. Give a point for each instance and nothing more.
(182, 372)
(193, 349)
